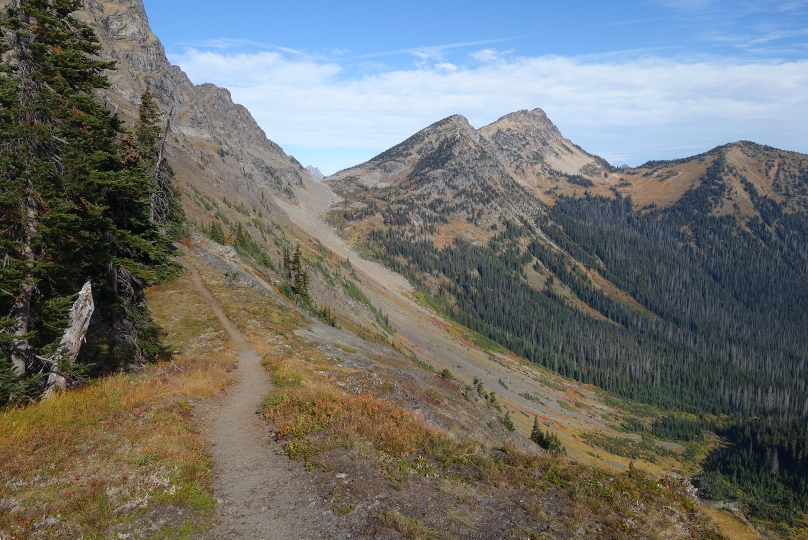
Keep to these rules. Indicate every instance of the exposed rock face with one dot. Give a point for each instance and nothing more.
(315, 172)
(522, 154)
(534, 149)
(444, 171)
(213, 143)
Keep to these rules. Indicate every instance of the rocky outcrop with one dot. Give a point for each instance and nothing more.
(522, 154)
(214, 144)
(315, 172)
(536, 152)
(446, 171)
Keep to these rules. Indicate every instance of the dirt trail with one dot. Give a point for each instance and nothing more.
(259, 493)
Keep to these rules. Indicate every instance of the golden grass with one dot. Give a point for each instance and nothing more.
(317, 407)
(99, 456)
(731, 525)
(297, 410)
(412, 528)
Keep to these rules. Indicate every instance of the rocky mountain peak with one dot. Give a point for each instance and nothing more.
(535, 151)
(524, 121)
(214, 141)
(315, 172)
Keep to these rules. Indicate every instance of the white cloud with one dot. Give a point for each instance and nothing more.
(624, 109)
(446, 66)
(487, 55)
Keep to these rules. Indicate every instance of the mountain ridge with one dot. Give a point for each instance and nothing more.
(455, 190)
(210, 136)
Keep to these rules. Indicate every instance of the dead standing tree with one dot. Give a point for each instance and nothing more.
(61, 364)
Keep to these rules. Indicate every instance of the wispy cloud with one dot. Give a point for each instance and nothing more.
(764, 28)
(434, 50)
(627, 109)
(231, 43)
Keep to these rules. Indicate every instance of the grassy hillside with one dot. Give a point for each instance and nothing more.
(416, 447)
(691, 302)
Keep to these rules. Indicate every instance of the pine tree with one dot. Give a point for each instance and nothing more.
(287, 264)
(548, 441)
(295, 264)
(149, 146)
(508, 422)
(72, 208)
(536, 434)
(216, 233)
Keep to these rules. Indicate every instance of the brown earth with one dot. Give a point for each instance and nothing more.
(259, 493)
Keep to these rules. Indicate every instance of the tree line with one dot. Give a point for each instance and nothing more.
(721, 329)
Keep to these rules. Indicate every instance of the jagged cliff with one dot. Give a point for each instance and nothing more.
(536, 152)
(212, 141)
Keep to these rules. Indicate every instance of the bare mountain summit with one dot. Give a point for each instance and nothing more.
(445, 171)
(315, 172)
(536, 152)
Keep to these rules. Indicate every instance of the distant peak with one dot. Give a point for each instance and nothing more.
(535, 118)
(315, 172)
(455, 119)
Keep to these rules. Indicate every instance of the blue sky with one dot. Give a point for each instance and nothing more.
(334, 83)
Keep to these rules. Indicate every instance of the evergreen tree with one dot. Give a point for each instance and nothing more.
(297, 278)
(216, 233)
(72, 208)
(287, 264)
(536, 434)
(548, 441)
(149, 145)
(507, 421)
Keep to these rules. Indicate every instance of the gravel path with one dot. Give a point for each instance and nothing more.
(259, 493)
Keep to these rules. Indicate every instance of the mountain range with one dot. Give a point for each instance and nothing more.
(670, 296)
(659, 283)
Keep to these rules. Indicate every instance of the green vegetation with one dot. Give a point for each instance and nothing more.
(80, 199)
(545, 439)
(566, 406)
(245, 244)
(765, 462)
(680, 429)
(700, 314)
(507, 421)
(296, 286)
(216, 233)
(579, 180)
(532, 397)
(633, 424)
(645, 448)
(353, 290)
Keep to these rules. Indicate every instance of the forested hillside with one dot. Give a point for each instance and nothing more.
(695, 304)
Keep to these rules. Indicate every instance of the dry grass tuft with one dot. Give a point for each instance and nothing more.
(523, 454)
(100, 455)
(313, 408)
(409, 527)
